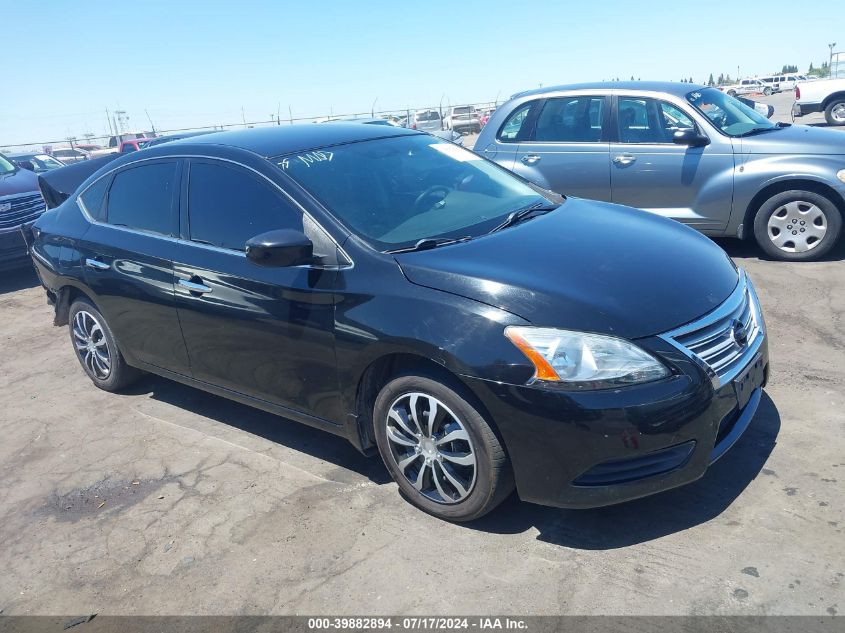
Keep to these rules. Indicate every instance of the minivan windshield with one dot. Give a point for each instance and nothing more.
(731, 116)
(395, 191)
(6, 166)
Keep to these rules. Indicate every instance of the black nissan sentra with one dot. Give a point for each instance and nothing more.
(384, 285)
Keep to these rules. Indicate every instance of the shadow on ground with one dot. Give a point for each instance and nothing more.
(604, 528)
(748, 249)
(18, 279)
(652, 517)
(320, 444)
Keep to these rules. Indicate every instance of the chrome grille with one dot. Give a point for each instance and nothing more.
(725, 340)
(24, 209)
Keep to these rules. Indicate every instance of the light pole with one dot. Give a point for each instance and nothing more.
(373, 108)
(830, 60)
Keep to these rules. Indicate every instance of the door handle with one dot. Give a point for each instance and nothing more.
(530, 159)
(623, 160)
(194, 287)
(96, 264)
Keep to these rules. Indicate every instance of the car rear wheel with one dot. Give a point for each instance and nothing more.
(731, 93)
(439, 449)
(834, 113)
(96, 349)
(797, 225)
(767, 91)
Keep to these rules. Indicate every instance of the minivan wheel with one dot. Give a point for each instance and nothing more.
(96, 350)
(767, 91)
(834, 113)
(439, 449)
(797, 225)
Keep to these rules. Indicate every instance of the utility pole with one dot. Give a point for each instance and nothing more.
(290, 114)
(830, 61)
(373, 108)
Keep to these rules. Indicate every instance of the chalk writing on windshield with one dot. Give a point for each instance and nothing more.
(308, 159)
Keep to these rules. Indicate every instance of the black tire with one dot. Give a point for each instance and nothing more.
(834, 113)
(776, 204)
(492, 475)
(731, 93)
(767, 92)
(119, 374)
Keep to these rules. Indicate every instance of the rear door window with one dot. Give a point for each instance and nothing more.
(94, 197)
(571, 120)
(512, 131)
(142, 198)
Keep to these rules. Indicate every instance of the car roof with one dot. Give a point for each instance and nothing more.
(285, 139)
(670, 87)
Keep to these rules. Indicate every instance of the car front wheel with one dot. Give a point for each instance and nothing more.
(797, 225)
(834, 113)
(439, 449)
(767, 91)
(96, 349)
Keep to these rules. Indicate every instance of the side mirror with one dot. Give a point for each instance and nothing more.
(280, 248)
(25, 164)
(691, 138)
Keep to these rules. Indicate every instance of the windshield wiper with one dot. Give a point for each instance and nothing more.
(515, 217)
(757, 130)
(428, 243)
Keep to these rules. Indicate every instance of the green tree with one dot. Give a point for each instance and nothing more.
(721, 80)
(710, 81)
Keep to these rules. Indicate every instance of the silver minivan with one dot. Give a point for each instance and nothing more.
(682, 151)
(426, 121)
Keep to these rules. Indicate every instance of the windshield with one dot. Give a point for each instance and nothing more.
(6, 166)
(395, 191)
(728, 114)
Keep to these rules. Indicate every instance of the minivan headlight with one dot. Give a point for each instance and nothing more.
(584, 361)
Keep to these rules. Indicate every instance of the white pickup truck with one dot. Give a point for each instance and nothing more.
(825, 95)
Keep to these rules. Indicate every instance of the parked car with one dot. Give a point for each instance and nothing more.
(69, 155)
(475, 330)
(35, 162)
(825, 95)
(747, 86)
(462, 119)
(773, 81)
(766, 109)
(426, 121)
(132, 145)
(686, 152)
(20, 202)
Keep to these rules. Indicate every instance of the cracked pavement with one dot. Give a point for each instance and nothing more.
(167, 500)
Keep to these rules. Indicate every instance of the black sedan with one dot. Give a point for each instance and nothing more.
(477, 331)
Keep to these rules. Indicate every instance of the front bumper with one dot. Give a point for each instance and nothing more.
(13, 251)
(643, 439)
(581, 449)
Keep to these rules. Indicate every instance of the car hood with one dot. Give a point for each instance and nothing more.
(588, 266)
(795, 139)
(17, 182)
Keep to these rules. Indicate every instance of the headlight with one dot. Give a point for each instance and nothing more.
(841, 175)
(584, 361)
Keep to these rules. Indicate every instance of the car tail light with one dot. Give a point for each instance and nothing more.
(797, 93)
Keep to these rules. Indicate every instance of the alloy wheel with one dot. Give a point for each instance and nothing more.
(837, 113)
(797, 226)
(90, 342)
(431, 447)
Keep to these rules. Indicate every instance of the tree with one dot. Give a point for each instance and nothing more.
(811, 67)
(632, 78)
(710, 81)
(690, 81)
(721, 80)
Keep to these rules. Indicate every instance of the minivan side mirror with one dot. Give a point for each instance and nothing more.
(280, 248)
(690, 137)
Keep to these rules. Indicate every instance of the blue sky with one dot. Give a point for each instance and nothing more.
(199, 62)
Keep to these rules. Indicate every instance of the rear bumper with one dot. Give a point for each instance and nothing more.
(589, 449)
(800, 109)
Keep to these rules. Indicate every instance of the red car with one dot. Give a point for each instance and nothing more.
(133, 145)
